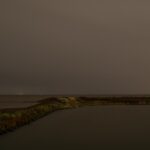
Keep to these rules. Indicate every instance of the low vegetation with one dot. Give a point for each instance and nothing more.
(11, 119)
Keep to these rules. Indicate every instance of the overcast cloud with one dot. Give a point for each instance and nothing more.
(75, 46)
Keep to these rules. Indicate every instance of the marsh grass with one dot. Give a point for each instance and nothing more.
(11, 119)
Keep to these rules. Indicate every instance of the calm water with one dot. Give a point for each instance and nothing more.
(89, 128)
(18, 101)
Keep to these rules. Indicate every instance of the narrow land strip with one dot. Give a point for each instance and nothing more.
(10, 119)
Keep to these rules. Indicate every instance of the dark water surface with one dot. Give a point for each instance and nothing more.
(18, 101)
(88, 128)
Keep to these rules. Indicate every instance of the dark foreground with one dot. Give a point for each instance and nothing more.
(11, 119)
(104, 127)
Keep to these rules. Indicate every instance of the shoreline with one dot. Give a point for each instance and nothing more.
(13, 118)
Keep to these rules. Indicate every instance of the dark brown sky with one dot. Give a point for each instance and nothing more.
(75, 46)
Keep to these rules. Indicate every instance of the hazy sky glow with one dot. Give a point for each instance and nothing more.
(75, 46)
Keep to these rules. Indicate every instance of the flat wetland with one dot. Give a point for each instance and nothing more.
(17, 101)
(81, 123)
(87, 128)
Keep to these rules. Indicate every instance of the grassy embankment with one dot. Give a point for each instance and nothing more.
(11, 119)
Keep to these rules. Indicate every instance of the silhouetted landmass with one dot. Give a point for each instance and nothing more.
(11, 119)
